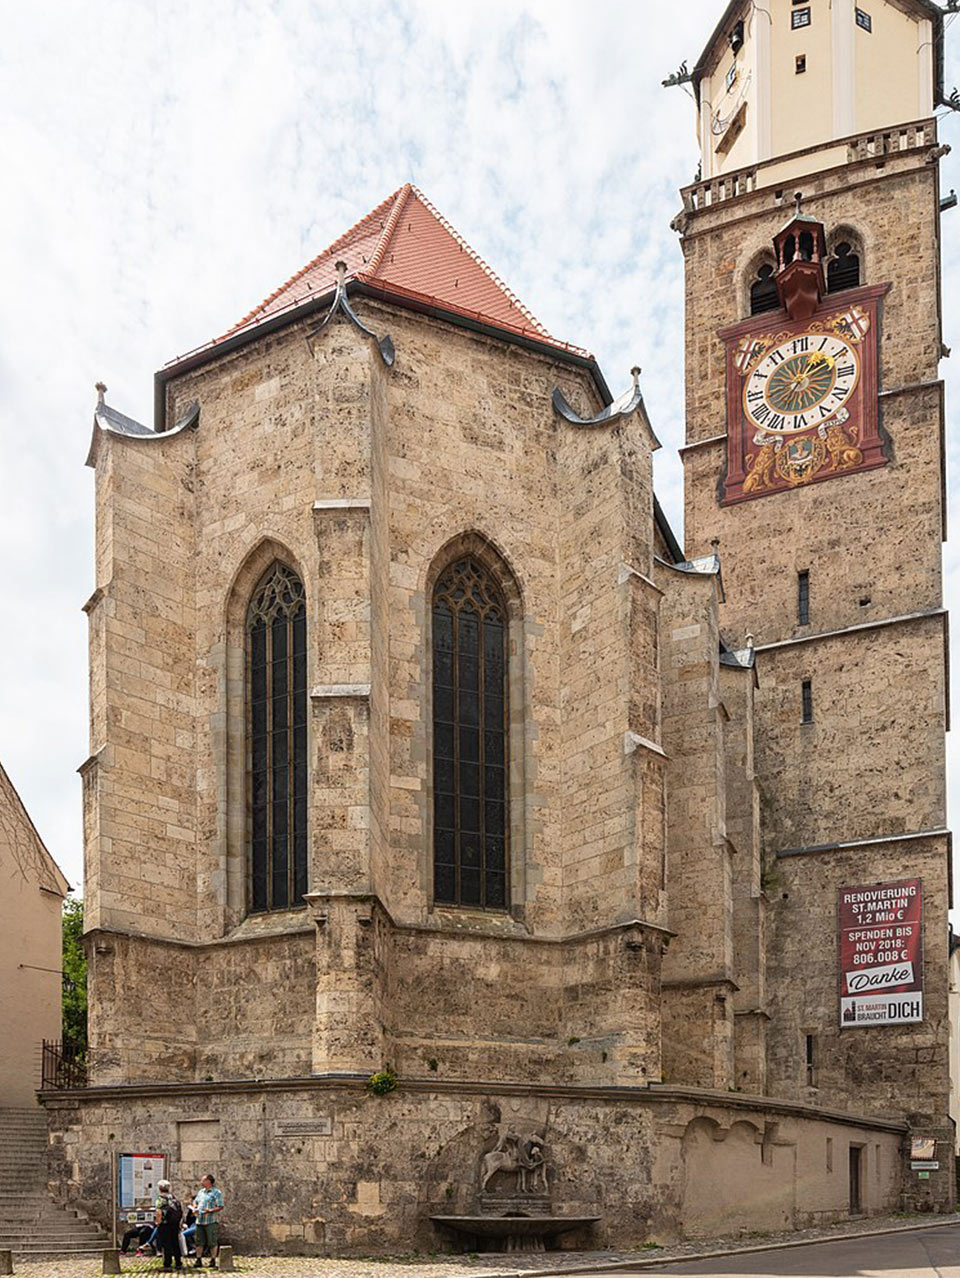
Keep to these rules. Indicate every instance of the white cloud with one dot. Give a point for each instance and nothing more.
(169, 165)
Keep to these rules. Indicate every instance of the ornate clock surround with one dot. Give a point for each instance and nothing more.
(840, 434)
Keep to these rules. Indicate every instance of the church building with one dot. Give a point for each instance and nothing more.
(467, 863)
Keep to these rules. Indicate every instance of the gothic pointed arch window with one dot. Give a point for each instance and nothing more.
(276, 740)
(470, 719)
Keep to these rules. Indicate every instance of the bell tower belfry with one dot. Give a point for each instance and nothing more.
(789, 75)
(813, 466)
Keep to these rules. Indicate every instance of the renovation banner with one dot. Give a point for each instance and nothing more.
(881, 953)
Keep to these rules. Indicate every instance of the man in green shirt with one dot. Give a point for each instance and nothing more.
(208, 1205)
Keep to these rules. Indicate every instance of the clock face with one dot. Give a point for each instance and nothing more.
(801, 382)
(802, 397)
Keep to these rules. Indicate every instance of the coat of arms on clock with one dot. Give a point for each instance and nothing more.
(802, 380)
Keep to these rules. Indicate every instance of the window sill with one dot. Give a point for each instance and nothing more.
(272, 923)
(459, 918)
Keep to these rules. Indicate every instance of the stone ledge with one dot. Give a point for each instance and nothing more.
(652, 1093)
(332, 691)
(342, 503)
(879, 624)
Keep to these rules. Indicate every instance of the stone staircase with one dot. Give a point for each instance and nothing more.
(31, 1223)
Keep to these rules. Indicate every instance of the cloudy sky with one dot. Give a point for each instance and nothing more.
(168, 165)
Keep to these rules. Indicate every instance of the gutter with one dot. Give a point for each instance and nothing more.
(357, 288)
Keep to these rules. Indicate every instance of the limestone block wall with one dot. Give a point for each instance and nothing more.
(890, 1069)
(140, 782)
(170, 1012)
(366, 480)
(698, 976)
(612, 840)
(737, 687)
(884, 562)
(284, 424)
(872, 759)
(142, 1004)
(329, 1168)
(584, 1009)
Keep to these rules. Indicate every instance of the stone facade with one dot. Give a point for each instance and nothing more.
(659, 1000)
(660, 1163)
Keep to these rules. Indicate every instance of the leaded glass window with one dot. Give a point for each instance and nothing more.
(276, 681)
(470, 738)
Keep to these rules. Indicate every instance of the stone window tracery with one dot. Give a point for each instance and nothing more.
(470, 716)
(276, 734)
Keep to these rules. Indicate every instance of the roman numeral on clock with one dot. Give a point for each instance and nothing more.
(801, 344)
(848, 370)
(754, 396)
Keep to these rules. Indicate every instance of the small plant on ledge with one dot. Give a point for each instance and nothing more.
(384, 1082)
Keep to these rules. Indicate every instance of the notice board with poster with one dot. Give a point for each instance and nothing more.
(881, 953)
(137, 1178)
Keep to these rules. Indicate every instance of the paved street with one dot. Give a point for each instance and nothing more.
(906, 1253)
(914, 1254)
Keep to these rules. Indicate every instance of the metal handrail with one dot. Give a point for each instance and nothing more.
(64, 1066)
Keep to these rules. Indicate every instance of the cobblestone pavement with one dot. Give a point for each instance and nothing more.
(488, 1266)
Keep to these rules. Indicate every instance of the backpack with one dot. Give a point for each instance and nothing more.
(173, 1212)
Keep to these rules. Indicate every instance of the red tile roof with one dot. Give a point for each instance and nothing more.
(411, 252)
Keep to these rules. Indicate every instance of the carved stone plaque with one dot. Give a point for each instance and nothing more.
(289, 1127)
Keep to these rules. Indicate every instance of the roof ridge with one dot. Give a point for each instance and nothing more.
(330, 248)
(484, 266)
(403, 195)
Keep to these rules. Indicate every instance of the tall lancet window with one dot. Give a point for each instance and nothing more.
(470, 738)
(276, 681)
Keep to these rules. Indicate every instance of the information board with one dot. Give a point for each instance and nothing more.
(881, 953)
(137, 1178)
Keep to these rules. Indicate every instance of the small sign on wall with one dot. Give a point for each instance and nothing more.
(923, 1151)
(290, 1127)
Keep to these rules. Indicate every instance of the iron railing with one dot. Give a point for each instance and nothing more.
(64, 1066)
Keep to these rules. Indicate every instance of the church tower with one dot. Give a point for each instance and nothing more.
(814, 468)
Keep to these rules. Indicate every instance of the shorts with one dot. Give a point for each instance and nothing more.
(208, 1235)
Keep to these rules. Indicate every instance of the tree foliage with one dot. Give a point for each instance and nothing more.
(74, 977)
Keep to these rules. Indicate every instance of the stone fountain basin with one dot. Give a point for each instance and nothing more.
(533, 1230)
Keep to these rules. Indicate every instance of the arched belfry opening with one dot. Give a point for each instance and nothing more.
(763, 291)
(843, 268)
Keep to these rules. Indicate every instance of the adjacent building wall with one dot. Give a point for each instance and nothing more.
(32, 890)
